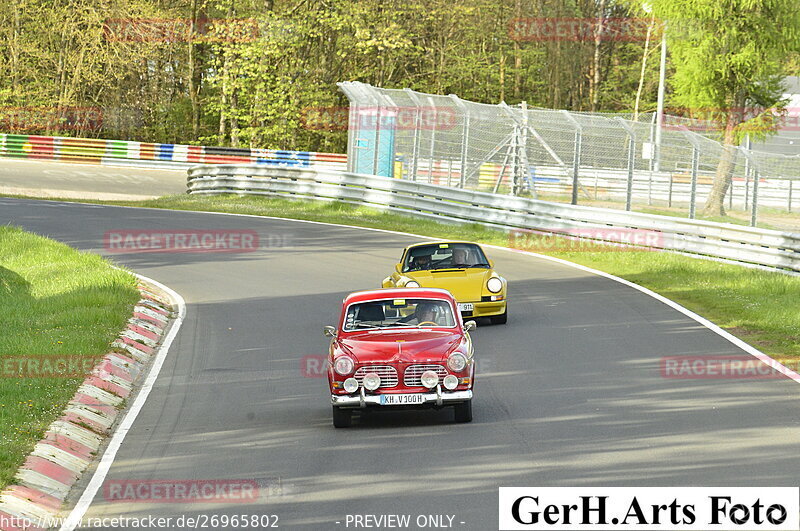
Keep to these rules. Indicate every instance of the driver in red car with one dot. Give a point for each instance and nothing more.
(425, 312)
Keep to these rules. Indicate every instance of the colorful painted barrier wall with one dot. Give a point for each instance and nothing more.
(179, 156)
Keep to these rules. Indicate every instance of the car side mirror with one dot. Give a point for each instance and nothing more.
(469, 326)
(398, 268)
(329, 331)
(491, 264)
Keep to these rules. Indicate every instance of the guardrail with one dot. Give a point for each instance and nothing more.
(769, 248)
(666, 188)
(164, 156)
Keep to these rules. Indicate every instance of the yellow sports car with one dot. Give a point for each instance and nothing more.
(459, 267)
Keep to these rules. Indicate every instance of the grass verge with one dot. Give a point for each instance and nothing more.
(769, 217)
(760, 307)
(59, 308)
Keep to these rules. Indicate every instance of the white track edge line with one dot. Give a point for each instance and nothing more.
(773, 363)
(78, 512)
(776, 365)
(672, 304)
(105, 464)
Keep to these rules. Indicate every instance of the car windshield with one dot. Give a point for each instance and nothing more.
(399, 313)
(444, 256)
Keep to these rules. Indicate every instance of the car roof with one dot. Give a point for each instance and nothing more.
(437, 242)
(406, 293)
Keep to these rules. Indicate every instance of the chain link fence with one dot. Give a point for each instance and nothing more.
(600, 159)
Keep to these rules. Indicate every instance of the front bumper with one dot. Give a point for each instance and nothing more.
(436, 398)
(486, 309)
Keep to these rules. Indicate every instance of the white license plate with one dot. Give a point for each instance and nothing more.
(401, 400)
(465, 307)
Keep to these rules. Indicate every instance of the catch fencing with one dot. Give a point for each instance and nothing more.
(774, 249)
(600, 159)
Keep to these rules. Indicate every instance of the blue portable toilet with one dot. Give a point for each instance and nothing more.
(374, 142)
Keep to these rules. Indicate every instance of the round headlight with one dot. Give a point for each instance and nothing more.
(343, 365)
(429, 379)
(412, 284)
(494, 285)
(372, 381)
(457, 362)
(450, 382)
(351, 385)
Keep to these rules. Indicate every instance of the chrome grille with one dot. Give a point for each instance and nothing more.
(411, 378)
(387, 373)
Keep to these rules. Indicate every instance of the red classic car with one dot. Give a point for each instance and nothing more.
(400, 348)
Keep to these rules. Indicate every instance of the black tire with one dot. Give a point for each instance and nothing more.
(500, 319)
(342, 418)
(463, 411)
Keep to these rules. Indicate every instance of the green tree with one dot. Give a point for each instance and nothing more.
(729, 58)
(223, 84)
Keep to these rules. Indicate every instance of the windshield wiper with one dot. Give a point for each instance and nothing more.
(459, 266)
(382, 325)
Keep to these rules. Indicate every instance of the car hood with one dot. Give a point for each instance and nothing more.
(399, 347)
(466, 285)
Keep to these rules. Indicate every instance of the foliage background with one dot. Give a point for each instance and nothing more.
(232, 88)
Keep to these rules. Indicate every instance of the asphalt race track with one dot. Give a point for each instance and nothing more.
(89, 181)
(569, 392)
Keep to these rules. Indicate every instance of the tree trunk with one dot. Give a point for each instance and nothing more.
(223, 100)
(644, 67)
(502, 76)
(194, 75)
(556, 84)
(234, 120)
(594, 87)
(715, 203)
(517, 55)
(440, 75)
(14, 51)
